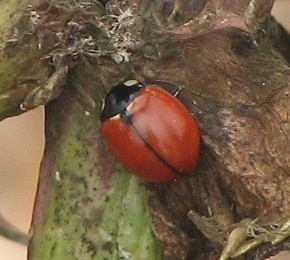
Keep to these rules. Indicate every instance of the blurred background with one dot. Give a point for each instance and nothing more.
(21, 147)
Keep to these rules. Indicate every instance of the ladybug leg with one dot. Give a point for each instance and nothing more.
(177, 91)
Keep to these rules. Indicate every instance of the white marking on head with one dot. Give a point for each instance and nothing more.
(131, 82)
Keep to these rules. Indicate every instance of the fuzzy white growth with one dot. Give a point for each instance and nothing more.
(120, 34)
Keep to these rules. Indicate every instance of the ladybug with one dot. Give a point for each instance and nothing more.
(150, 131)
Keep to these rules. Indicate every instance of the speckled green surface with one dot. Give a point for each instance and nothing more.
(89, 213)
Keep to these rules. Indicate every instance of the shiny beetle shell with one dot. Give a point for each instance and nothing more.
(150, 131)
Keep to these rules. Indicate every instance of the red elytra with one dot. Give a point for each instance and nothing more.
(151, 133)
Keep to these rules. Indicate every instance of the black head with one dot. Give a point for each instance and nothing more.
(119, 97)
